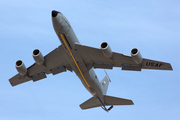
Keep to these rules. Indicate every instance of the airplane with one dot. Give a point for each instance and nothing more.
(82, 59)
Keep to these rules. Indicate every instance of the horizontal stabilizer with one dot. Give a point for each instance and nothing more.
(109, 100)
(91, 103)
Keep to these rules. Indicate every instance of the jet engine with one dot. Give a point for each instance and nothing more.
(21, 68)
(38, 57)
(106, 50)
(136, 55)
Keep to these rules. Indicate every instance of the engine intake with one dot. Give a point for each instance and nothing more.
(38, 57)
(136, 55)
(21, 68)
(106, 50)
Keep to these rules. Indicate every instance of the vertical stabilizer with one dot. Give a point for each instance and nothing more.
(105, 84)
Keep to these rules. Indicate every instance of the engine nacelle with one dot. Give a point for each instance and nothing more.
(106, 50)
(21, 68)
(136, 55)
(38, 57)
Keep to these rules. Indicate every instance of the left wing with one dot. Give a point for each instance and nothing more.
(55, 62)
(94, 57)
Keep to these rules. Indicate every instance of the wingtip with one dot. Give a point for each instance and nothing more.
(170, 67)
(11, 82)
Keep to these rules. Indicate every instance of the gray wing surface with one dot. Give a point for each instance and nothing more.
(55, 62)
(94, 57)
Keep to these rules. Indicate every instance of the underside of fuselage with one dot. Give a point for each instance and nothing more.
(68, 39)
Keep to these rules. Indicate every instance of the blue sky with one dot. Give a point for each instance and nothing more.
(152, 26)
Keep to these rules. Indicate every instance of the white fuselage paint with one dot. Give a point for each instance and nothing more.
(68, 38)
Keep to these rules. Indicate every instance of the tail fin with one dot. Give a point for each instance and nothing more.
(110, 100)
(105, 84)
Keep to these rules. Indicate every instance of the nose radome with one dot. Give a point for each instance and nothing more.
(54, 13)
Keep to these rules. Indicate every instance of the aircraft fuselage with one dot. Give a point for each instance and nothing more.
(68, 39)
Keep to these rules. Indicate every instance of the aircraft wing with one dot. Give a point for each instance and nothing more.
(94, 57)
(54, 62)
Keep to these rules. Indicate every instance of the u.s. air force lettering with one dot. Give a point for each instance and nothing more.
(153, 64)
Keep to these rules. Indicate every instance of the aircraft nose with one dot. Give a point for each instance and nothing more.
(54, 13)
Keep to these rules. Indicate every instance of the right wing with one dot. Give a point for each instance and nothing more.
(94, 57)
(55, 62)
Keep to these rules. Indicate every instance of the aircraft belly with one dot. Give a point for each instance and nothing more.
(93, 88)
(90, 80)
(68, 39)
(94, 84)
